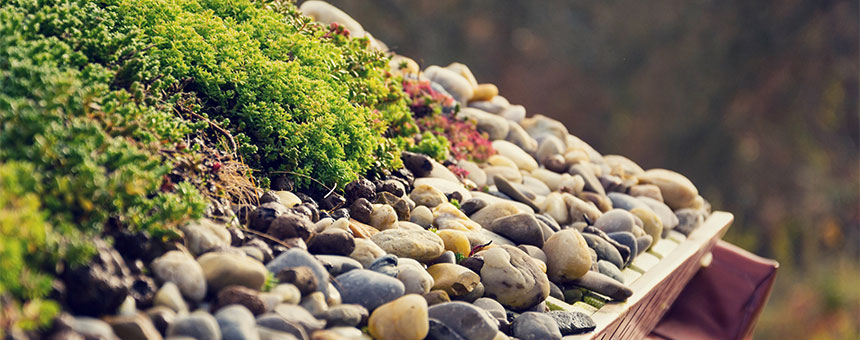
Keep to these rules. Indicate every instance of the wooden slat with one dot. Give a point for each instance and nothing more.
(656, 290)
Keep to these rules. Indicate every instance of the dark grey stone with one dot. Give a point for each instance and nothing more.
(368, 288)
(467, 320)
(570, 323)
(536, 326)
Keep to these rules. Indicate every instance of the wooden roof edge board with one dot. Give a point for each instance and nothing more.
(689, 252)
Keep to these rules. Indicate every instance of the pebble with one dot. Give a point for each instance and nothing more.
(204, 235)
(667, 217)
(534, 252)
(456, 85)
(332, 242)
(495, 126)
(514, 113)
(455, 241)
(567, 256)
(572, 323)
(521, 158)
(383, 217)
(515, 193)
(519, 137)
(180, 268)
(298, 316)
(615, 220)
(197, 325)
(236, 323)
(402, 206)
(625, 202)
(604, 285)
(466, 320)
(539, 126)
(223, 269)
(646, 190)
(627, 239)
(261, 218)
(581, 211)
(559, 182)
(385, 264)
(270, 334)
(298, 257)
(494, 105)
(360, 188)
(337, 265)
(314, 303)
(554, 206)
(678, 192)
(360, 210)
(421, 215)
(456, 280)
(605, 250)
(302, 277)
(475, 173)
(609, 269)
(435, 297)
(288, 292)
(135, 326)
(689, 220)
(520, 228)
(493, 211)
(603, 203)
(427, 195)
(492, 306)
(623, 250)
(484, 92)
(419, 164)
(345, 315)
(366, 252)
(238, 295)
(288, 199)
(643, 243)
(591, 182)
(402, 319)
(622, 166)
(368, 288)
(465, 72)
(536, 326)
(291, 225)
(549, 146)
(92, 328)
(421, 245)
(438, 331)
(169, 296)
(415, 278)
(446, 186)
(513, 278)
(509, 173)
(275, 322)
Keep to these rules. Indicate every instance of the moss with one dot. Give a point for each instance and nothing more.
(299, 97)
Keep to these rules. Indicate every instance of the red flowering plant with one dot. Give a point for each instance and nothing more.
(427, 100)
(464, 139)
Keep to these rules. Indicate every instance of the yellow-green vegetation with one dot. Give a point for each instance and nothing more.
(98, 99)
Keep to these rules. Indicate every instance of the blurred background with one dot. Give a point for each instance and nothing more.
(755, 101)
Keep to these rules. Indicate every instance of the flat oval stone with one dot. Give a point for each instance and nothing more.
(453, 83)
(520, 228)
(605, 251)
(625, 202)
(611, 270)
(628, 240)
(678, 192)
(615, 220)
(666, 215)
(466, 320)
(591, 181)
(454, 279)
(521, 138)
(536, 326)
(222, 269)
(522, 159)
(368, 288)
(571, 323)
(604, 285)
(180, 268)
(421, 245)
(495, 126)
